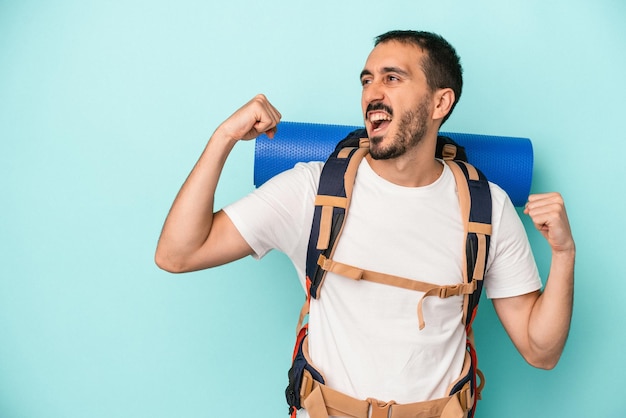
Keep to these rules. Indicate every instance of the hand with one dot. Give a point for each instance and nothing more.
(547, 211)
(256, 117)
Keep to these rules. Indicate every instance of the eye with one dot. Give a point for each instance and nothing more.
(392, 78)
(365, 81)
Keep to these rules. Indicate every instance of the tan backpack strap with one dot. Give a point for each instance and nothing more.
(445, 292)
(356, 273)
(304, 311)
(464, 203)
(328, 203)
(448, 152)
(315, 404)
(428, 289)
(353, 166)
(322, 402)
(479, 229)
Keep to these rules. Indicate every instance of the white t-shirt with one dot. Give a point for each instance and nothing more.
(364, 336)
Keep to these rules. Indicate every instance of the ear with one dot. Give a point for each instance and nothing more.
(444, 99)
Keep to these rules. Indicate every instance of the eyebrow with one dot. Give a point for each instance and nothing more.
(387, 70)
(364, 73)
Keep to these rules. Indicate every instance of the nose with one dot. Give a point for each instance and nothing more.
(372, 92)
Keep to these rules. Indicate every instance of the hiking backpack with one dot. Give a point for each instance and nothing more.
(306, 384)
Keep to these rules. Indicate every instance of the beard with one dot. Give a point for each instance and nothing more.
(411, 130)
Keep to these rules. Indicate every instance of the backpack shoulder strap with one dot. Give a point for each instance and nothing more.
(475, 203)
(331, 203)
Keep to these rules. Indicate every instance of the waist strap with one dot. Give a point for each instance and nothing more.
(320, 401)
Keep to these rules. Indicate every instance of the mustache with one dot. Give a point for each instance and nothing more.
(379, 106)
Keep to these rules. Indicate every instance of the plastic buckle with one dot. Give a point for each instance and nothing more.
(447, 291)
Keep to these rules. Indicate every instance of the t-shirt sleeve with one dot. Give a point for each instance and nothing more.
(511, 269)
(278, 214)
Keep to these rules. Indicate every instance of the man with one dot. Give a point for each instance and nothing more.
(404, 220)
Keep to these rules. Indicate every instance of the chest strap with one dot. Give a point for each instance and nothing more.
(429, 289)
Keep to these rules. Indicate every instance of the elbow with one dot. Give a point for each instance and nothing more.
(167, 263)
(545, 356)
(544, 365)
(544, 362)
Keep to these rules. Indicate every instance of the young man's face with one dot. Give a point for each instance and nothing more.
(396, 101)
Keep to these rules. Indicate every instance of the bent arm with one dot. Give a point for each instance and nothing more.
(193, 236)
(539, 322)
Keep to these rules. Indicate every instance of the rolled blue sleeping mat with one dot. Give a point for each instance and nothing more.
(506, 161)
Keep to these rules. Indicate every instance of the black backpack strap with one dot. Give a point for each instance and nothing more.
(475, 202)
(332, 200)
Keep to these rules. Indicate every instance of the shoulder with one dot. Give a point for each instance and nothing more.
(310, 170)
(277, 214)
(504, 216)
(302, 178)
(511, 269)
(499, 197)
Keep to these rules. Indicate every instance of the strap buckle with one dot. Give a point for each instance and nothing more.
(380, 409)
(447, 291)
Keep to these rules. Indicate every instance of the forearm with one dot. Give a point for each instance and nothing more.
(551, 315)
(189, 221)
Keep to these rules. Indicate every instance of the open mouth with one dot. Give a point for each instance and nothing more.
(379, 116)
(379, 120)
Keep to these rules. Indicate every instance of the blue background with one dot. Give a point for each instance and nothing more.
(106, 105)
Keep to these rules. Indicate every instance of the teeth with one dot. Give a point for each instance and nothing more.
(377, 117)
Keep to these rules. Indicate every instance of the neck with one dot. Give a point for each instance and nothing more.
(416, 168)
